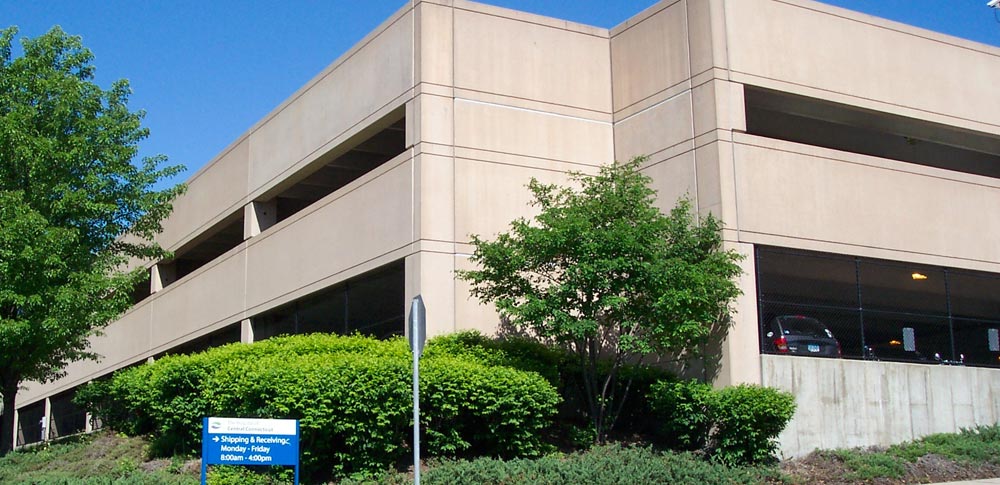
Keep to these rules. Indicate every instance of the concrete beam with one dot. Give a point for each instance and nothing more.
(258, 216)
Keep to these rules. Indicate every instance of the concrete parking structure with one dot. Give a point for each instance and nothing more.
(845, 154)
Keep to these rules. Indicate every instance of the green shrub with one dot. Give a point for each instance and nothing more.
(870, 466)
(748, 420)
(973, 445)
(353, 409)
(736, 425)
(487, 410)
(516, 352)
(240, 475)
(608, 464)
(351, 395)
(684, 408)
(562, 370)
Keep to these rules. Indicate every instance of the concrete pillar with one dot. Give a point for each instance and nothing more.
(740, 350)
(47, 420)
(246, 331)
(161, 275)
(258, 216)
(17, 421)
(432, 275)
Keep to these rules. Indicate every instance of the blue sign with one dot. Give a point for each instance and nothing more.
(240, 441)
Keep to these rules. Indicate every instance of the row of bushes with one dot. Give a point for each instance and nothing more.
(735, 425)
(351, 395)
(479, 397)
(608, 464)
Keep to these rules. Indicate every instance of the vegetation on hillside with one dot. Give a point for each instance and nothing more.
(351, 395)
(502, 398)
(105, 458)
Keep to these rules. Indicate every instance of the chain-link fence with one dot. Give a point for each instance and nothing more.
(873, 309)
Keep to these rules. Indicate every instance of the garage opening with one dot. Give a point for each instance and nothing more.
(378, 143)
(812, 121)
(369, 304)
(876, 309)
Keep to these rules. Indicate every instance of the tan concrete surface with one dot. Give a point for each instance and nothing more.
(333, 235)
(740, 362)
(505, 129)
(809, 44)
(816, 194)
(374, 76)
(500, 55)
(849, 403)
(211, 196)
(650, 56)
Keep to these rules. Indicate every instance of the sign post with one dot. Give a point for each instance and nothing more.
(239, 441)
(418, 334)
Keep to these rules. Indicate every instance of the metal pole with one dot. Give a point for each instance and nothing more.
(204, 463)
(416, 418)
(418, 330)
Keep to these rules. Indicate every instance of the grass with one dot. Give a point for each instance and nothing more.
(100, 458)
(607, 464)
(869, 466)
(974, 446)
(106, 458)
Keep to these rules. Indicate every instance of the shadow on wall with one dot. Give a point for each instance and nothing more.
(701, 362)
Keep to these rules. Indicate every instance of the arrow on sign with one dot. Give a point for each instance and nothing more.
(216, 439)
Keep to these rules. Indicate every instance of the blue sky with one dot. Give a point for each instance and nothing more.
(205, 71)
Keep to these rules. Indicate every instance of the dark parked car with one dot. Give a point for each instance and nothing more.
(800, 335)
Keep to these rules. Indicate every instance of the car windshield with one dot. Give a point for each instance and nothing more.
(803, 326)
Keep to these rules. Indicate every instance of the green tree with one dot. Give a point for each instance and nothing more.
(73, 208)
(601, 271)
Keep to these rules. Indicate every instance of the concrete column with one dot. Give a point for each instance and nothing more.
(258, 216)
(47, 420)
(432, 275)
(161, 275)
(740, 350)
(16, 423)
(246, 331)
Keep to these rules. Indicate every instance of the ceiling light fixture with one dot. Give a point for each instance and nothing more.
(918, 276)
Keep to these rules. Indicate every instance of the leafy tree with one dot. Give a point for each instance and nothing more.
(601, 271)
(73, 208)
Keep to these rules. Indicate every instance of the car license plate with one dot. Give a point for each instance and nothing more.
(813, 348)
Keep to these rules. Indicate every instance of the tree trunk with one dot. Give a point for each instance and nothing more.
(9, 390)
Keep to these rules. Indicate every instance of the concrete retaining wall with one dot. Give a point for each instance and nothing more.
(850, 403)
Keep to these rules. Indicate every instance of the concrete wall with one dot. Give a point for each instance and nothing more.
(817, 50)
(796, 195)
(378, 75)
(504, 96)
(326, 243)
(674, 103)
(850, 403)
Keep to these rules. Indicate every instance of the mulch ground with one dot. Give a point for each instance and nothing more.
(826, 469)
